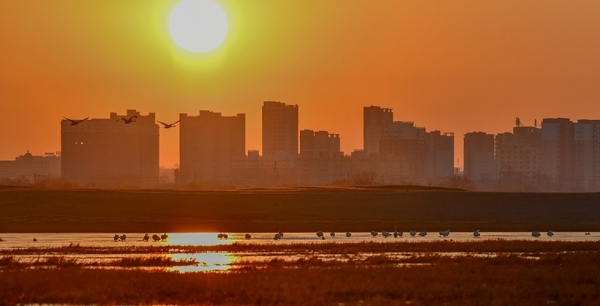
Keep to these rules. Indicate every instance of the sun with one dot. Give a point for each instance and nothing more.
(198, 25)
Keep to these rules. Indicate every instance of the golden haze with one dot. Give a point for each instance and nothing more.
(455, 66)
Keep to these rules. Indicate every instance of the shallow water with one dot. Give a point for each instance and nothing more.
(12, 240)
(227, 261)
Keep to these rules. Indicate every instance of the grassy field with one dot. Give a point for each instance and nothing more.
(293, 210)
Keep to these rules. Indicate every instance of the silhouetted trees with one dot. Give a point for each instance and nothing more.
(459, 182)
(365, 177)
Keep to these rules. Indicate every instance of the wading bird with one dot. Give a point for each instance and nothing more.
(127, 120)
(76, 121)
(348, 234)
(397, 233)
(445, 233)
(123, 237)
(385, 234)
(476, 233)
(116, 237)
(168, 126)
(535, 234)
(550, 233)
(146, 237)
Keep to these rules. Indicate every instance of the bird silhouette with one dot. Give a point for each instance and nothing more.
(168, 126)
(76, 121)
(127, 120)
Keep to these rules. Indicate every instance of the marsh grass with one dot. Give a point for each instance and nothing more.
(154, 261)
(556, 278)
(63, 262)
(485, 246)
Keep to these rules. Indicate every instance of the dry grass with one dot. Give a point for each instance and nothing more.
(571, 279)
(10, 262)
(153, 261)
(483, 246)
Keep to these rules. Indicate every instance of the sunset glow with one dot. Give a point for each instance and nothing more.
(458, 67)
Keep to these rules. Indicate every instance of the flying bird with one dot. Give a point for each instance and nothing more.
(127, 120)
(168, 126)
(76, 121)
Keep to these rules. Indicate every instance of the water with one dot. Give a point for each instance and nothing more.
(12, 240)
(226, 261)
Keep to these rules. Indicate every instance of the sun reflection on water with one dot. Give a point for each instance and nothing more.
(213, 261)
(198, 239)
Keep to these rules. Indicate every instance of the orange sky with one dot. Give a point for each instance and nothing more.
(456, 66)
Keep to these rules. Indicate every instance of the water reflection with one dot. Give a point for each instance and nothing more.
(207, 262)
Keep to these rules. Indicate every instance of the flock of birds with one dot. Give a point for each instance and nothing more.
(155, 237)
(321, 236)
(396, 234)
(124, 119)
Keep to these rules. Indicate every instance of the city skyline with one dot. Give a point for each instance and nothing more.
(457, 66)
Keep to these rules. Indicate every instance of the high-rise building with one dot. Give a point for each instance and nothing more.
(587, 155)
(111, 151)
(520, 152)
(209, 143)
(375, 119)
(479, 162)
(557, 151)
(440, 155)
(319, 143)
(279, 130)
(406, 143)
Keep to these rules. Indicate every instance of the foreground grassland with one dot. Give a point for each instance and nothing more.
(561, 273)
(293, 210)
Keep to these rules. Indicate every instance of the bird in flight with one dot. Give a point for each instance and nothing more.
(168, 126)
(75, 121)
(127, 120)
